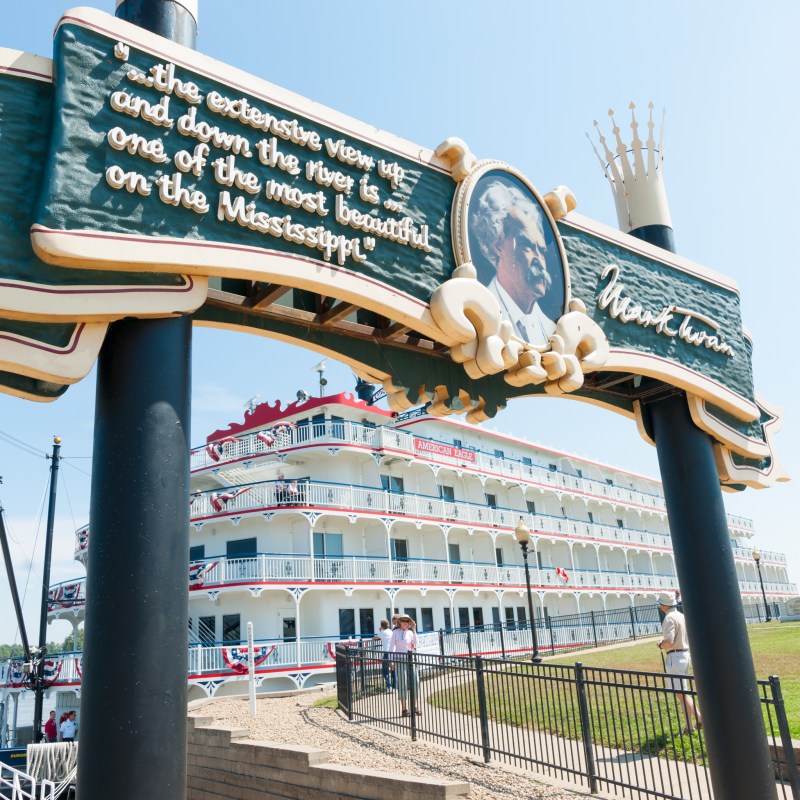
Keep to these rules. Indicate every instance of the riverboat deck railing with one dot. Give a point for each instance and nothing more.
(561, 634)
(270, 495)
(346, 432)
(264, 568)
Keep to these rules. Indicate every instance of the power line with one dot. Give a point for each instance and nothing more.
(20, 445)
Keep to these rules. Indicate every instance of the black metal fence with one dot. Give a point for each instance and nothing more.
(561, 634)
(606, 730)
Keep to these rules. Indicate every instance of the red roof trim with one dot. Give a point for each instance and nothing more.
(265, 414)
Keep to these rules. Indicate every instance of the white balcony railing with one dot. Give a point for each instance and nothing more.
(258, 497)
(217, 573)
(345, 432)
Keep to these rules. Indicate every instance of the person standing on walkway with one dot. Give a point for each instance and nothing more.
(404, 642)
(50, 729)
(389, 675)
(69, 728)
(676, 644)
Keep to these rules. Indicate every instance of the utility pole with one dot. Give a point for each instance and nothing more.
(48, 552)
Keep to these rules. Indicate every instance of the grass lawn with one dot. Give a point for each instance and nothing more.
(776, 651)
(631, 713)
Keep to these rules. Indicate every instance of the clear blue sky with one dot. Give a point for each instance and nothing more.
(520, 82)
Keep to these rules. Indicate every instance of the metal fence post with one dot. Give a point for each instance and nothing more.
(441, 642)
(483, 709)
(362, 668)
(594, 629)
(586, 732)
(346, 656)
(412, 690)
(633, 622)
(502, 641)
(469, 641)
(786, 736)
(552, 638)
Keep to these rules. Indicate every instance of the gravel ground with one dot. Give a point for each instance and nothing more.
(294, 720)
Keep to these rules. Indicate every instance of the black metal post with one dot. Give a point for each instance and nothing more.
(735, 737)
(586, 728)
(763, 593)
(723, 664)
(483, 710)
(134, 691)
(535, 657)
(48, 553)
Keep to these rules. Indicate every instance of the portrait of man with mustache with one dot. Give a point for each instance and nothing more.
(511, 243)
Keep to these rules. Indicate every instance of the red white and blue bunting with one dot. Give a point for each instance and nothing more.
(52, 669)
(238, 658)
(197, 573)
(219, 500)
(214, 449)
(65, 596)
(16, 677)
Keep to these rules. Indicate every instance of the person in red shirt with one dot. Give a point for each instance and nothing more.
(50, 730)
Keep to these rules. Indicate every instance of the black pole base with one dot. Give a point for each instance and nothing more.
(738, 753)
(133, 722)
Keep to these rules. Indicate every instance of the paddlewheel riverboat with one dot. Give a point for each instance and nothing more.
(315, 519)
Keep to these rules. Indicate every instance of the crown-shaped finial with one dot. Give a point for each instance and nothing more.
(638, 186)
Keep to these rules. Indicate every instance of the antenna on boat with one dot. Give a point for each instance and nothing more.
(319, 369)
(251, 404)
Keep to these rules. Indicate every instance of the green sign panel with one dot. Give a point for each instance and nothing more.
(147, 169)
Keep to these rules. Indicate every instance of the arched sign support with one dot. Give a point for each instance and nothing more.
(733, 724)
(133, 721)
(151, 187)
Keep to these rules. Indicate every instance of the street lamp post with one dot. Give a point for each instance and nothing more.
(523, 535)
(757, 559)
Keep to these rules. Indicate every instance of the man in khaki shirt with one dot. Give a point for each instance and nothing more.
(676, 644)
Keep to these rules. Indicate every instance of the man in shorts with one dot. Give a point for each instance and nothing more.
(676, 645)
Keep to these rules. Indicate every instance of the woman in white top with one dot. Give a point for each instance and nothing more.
(404, 641)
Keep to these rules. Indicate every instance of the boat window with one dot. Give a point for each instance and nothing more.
(337, 427)
(427, 619)
(463, 617)
(400, 549)
(366, 622)
(236, 548)
(197, 553)
(347, 623)
(328, 545)
(390, 483)
(448, 622)
(231, 628)
(207, 629)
